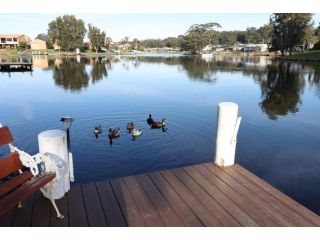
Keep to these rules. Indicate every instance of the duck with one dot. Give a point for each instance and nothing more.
(150, 120)
(130, 126)
(115, 133)
(136, 132)
(159, 124)
(97, 130)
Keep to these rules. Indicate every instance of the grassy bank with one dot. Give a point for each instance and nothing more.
(306, 56)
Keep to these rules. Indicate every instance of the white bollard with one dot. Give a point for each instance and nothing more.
(228, 124)
(53, 143)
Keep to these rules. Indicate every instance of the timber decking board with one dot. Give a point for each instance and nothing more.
(295, 206)
(22, 217)
(240, 182)
(41, 214)
(213, 206)
(110, 205)
(246, 203)
(95, 213)
(76, 208)
(129, 208)
(182, 210)
(159, 202)
(198, 195)
(243, 218)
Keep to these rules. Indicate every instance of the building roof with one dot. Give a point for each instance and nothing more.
(12, 35)
(37, 40)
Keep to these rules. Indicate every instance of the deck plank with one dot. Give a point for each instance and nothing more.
(198, 195)
(22, 216)
(76, 208)
(188, 218)
(258, 209)
(62, 205)
(242, 217)
(110, 205)
(190, 199)
(95, 213)
(127, 204)
(217, 210)
(250, 188)
(163, 208)
(145, 206)
(292, 204)
(6, 219)
(41, 211)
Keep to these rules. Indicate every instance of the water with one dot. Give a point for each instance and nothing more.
(278, 139)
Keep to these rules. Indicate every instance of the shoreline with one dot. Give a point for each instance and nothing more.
(294, 58)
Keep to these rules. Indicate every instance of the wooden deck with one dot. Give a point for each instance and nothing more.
(198, 195)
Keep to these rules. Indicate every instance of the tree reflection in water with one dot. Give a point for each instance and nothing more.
(281, 83)
(98, 71)
(71, 73)
(282, 88)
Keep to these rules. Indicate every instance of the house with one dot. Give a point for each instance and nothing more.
(236, 47)
(13, 40)
(38, 44)
(256, 48)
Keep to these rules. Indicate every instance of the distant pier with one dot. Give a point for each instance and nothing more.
(18, 66)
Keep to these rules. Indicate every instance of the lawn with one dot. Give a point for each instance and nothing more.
(313, 55)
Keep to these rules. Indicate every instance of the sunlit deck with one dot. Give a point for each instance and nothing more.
(198, 195)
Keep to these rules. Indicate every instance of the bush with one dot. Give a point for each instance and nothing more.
(22, 45)
(316, 46)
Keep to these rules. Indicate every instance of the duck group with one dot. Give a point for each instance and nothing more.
(135, 132)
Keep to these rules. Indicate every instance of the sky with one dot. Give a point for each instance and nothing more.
(134, 25)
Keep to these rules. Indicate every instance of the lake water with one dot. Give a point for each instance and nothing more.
(279, 137)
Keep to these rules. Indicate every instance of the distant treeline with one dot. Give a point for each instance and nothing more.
(283, 33)
(250, 35)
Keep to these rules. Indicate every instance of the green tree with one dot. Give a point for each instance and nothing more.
(198, 36)
(289, 29)
(68, 32)
(135, 44)
(265, 33)
(96, 36)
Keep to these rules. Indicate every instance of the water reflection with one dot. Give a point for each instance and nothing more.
(281, 83)
(98, 71)
(72, 75)
(281, 89)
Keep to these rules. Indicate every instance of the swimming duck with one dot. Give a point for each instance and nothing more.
(159, 124)
(136, 132)
(97, 130)
(114, 133)
(130, 126)
(150, 120)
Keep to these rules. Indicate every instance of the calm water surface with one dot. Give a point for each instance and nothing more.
(278, 139)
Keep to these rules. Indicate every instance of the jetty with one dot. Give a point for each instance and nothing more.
(197, 195)
(16, 66)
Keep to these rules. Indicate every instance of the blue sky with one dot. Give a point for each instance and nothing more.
(141, 26)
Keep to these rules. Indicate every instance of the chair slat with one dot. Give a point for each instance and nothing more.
(9, 201)
(14, 183)
(5, 136)
(9, 165)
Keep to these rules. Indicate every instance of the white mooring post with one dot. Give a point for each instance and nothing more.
(53, 143)
(228, 124)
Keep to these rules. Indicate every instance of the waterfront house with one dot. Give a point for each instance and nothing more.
(38, 44)
(256, 48)
(13, 40)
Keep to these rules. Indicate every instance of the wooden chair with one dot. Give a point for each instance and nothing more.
(18, 188)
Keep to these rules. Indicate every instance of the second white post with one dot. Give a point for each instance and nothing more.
(228, 124)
